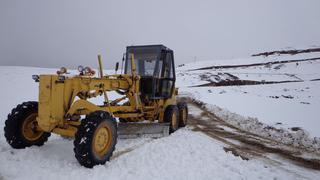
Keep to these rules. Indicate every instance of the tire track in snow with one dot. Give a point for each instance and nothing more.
(129, 149)
(245, 144)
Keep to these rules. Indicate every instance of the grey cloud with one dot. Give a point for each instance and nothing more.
(71, 32)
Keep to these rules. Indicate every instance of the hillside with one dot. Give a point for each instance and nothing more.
(280, 91)
(246, 122)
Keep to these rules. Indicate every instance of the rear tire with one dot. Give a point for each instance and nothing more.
(171, 115)
(95, 139)
(183, 114)
(20, 128)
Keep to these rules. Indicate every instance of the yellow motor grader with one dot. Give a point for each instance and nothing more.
(147, 98)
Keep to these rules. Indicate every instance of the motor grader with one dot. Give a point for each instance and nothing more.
(147, 97)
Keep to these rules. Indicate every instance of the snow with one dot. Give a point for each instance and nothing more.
(284, 106)
(306, 70)
(185, 154)
(246, 60)
(257, 101)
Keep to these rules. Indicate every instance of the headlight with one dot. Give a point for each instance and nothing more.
(87, 70)
(62, 70)
(80, 68)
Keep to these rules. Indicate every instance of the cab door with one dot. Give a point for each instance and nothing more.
(166, 82)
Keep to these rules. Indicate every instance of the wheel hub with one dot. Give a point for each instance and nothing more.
(29, 128)
(174, 120)
(102, 140)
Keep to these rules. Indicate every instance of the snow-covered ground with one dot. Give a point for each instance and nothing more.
(291, 107)
(251, 60)
(185, 154)
(269, 103)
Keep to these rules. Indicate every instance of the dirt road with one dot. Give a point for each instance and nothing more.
(249, 146)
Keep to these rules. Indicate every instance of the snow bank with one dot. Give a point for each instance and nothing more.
(247, 60)
(298, 138)
(286, 112)
(183, 155)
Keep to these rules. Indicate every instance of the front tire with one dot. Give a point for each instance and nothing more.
(183, 114)
(171, 115)
(95, 139)
(21, 127)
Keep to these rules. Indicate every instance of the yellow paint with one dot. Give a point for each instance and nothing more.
(29, 128)
(102, 139)
(62, 102)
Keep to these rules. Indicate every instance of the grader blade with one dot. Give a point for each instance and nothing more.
(136, 130)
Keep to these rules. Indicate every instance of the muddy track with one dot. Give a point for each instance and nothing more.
(242, 83)
(244, 144)
(291, 52)
(255, 64)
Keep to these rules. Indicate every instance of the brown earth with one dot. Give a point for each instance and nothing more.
(244, 144)
(291, 52)
(256, 64)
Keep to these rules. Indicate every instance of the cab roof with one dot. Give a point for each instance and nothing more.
(156, 46)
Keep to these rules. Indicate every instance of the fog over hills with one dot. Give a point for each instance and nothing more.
(55, 33)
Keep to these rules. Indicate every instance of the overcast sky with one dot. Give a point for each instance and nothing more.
(55, 33)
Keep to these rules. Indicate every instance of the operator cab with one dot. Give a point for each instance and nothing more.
(155, 66)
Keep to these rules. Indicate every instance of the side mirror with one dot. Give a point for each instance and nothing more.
(117, 67)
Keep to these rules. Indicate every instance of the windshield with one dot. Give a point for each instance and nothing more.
(145, 63)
